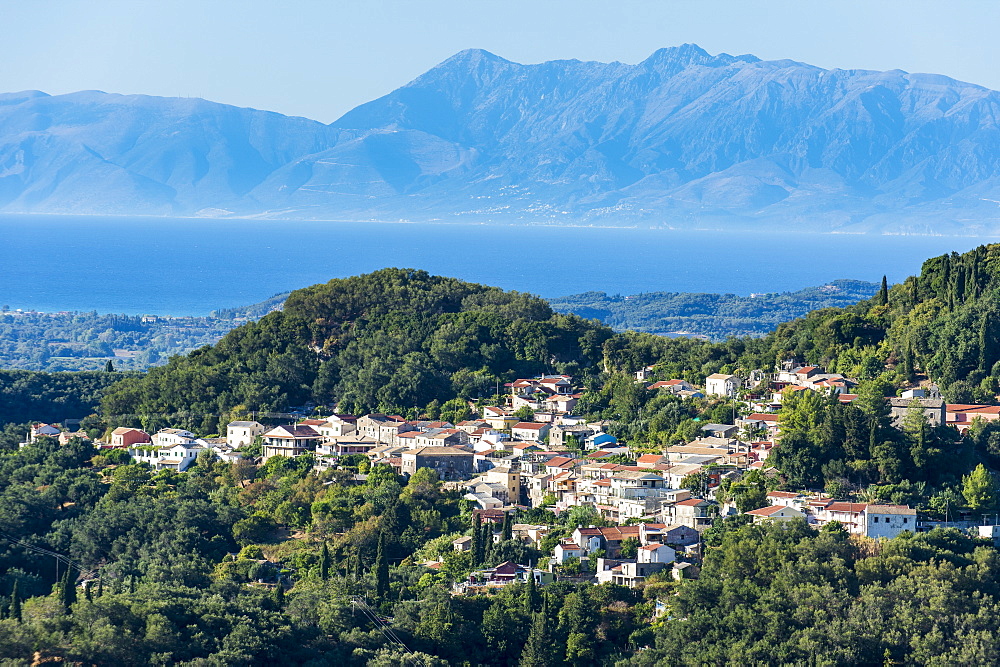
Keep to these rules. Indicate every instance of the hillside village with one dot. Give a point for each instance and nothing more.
(532, 451)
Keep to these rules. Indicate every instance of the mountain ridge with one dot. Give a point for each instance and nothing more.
(683, 138)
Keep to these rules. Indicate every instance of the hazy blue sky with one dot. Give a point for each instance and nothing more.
(319, 59)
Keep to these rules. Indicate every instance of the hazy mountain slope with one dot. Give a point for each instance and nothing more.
(95, 152)
(683, 138)
(685, 133)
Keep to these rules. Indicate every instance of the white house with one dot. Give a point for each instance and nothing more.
(656, 553)
(337, 426)
(776, 513)
(175, 457)
(720, 384)
(242, 433)
(889, 520)
(567, 549)
(167, 437)
(531, 431)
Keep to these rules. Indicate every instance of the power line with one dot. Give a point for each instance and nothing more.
(87, 574)
(380, 624)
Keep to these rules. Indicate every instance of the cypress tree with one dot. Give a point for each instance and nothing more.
(15, 603)
(381, 569)
(279, 595)
(86, 592)
(908, 366)
(477, 541)
(324, 563)
(68, 591)
(100, 587)
(507, 532)
(539, 650)
(359, 570)
(883, 293)
(531, 595)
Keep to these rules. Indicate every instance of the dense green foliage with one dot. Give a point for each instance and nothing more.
(848, 447)
(717, 316)
(392, 341)
(200, 568)
(782, 594)
(48, 397)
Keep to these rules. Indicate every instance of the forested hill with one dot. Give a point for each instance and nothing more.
(717, 316)
(395, 340)
(943, 324)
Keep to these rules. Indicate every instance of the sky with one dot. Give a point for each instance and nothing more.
(321, 58)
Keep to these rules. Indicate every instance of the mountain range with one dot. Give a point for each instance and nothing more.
(682, 139)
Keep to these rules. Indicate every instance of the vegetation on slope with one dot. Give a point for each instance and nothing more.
(395, 340)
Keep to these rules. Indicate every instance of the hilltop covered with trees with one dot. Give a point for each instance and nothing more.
(392, 341)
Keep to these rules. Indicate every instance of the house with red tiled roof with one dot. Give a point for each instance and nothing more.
(558, 464)
(126, 437)
(609, 538)
(776, 513)
(535, 431)
(651, 460)
(671, 386)
(655, 553)
(566, 549)
(962, 415)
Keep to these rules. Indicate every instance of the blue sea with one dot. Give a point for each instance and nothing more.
(192, 266)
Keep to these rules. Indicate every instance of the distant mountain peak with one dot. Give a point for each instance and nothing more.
(473, 56)
(685, 55)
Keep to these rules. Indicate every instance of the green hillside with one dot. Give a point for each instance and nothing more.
(395, 341)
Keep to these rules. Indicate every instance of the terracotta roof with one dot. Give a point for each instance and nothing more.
(529, 426)
(962, 407)
(846, 507)
(782, 494)
(559, 462)
(767, 511)
(691, 502)
(762, 417)
(619, 532)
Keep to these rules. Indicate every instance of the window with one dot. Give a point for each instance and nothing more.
(874, 519)
(904, 520)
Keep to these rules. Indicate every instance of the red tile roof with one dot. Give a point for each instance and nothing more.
(767, 511)
(846, 507)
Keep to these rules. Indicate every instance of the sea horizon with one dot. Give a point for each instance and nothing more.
(189, 266)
